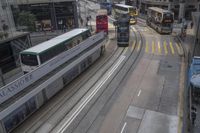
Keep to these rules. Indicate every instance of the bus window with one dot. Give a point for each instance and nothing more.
(28, 59)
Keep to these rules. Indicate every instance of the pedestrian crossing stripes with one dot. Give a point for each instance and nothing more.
(162, 48)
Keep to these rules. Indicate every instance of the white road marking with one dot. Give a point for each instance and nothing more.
(139, 93)
(92, 94)
(134, 29)
(123, 127)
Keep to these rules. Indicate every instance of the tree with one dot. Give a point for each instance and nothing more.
(26, 19)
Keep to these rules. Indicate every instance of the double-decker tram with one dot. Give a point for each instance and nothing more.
(102, 21)
(107, 5)
(121, 9)
(159, 19)
(35, 56)
(22, 97)
(123, 31)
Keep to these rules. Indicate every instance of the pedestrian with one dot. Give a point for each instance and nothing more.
(81, 20)
(194, 114)
(191, 24)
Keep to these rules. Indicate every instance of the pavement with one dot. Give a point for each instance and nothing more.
(188, 43)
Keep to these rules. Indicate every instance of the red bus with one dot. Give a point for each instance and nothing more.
(102, 21)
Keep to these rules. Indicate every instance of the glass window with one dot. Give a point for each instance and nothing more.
(28, 59)
(168, 17)
(49, 54)
(17, 116)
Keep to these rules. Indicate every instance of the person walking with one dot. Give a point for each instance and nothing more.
(194, 115)
(191, 25)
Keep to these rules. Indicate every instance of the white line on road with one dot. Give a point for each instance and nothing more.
(139, 93)
(123, 127)
(92, 94)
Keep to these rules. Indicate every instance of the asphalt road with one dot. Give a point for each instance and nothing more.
(148, 99)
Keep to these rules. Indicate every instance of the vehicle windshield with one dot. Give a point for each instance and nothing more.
(131, 10)
(167, 17)
(28, 59)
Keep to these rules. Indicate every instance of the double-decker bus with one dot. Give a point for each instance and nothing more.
(106, 4)
(123, 31)
(102, 21)
(159, 19)
(35, 56)
(121, 9)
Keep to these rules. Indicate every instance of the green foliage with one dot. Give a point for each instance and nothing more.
(26, 19)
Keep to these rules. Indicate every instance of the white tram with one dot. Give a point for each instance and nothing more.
(14, 110)
(35, 56)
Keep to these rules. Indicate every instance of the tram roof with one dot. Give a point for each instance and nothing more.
(55, 41)
(125, 6)
(159, 10)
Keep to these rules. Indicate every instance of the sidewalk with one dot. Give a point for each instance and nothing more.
(188, 43)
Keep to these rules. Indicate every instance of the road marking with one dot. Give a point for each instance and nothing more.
(125, 50)
(147, 47)
(123, 127)
(159, 48)
(134, 29)
(153, 47)
(139, 45)
(172, 48)
(133, 46)
(178, 48)
(165, 47)
(139, 93)
(91, 95)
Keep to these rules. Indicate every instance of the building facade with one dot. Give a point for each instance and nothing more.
(6, 17)
(181, 8)
(50, 14)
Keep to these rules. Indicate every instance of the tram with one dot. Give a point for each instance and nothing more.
(71, 63)
(35, 56)
(123, 31)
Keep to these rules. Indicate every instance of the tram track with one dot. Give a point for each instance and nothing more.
(106, 94)
(49, 120)
(44, 115)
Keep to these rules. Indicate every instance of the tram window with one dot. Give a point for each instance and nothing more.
(15, 118)
(28, 59)
(31, 104)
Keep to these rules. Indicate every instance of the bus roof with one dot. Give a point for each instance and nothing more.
(125, 6)
(54, 41)
(102, 12)
(159, 10)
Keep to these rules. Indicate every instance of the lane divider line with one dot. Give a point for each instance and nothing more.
(159, 48)
(133, 45)
(123, 127)
(172, 48)
(139, 93)
(178, 48)
(165, 47)
(88, 99)
(147, 47)
(153, 47)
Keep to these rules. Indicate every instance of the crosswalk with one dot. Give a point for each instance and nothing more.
(161, 47)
